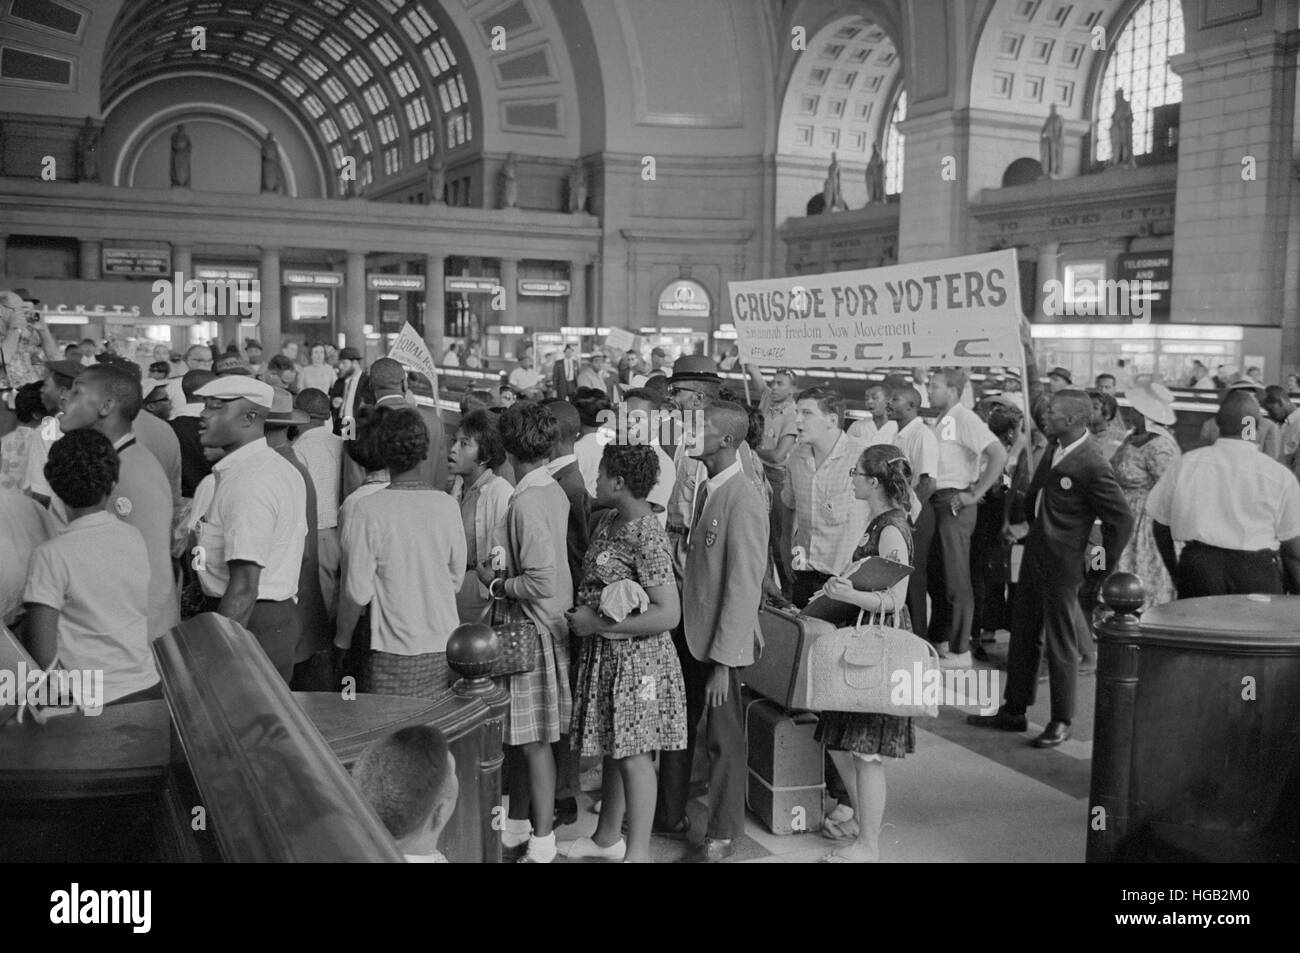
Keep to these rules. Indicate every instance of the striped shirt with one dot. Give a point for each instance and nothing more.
(828, 520)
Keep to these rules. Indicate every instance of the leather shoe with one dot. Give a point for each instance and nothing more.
(658, 829)
(710, 851)
(978, 653)
(566, 811)
(1002, 720)
(1053, 735)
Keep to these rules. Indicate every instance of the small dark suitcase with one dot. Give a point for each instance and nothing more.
(780, 670)
(785, 778)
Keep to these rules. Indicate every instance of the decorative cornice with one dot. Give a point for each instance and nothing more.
(696, 236)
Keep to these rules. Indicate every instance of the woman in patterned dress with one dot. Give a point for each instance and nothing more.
(537, 580)
(858, 743)
(1139, 463)
(630, 699)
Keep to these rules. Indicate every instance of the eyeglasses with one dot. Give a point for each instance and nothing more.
(855, 472)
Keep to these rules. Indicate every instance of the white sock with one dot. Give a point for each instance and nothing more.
(515, 831)
(542, 849)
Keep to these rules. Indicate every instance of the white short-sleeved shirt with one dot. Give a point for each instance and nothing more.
(1228, 495)
(93, 573)
(319, 376)
(50, 430)
(867, 431)
(24, 525)
(962, 438)
(321, 452)
(258, 513)
(143, 498)
(918, 443)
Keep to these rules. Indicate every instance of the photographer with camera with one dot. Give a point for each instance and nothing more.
(23, 337)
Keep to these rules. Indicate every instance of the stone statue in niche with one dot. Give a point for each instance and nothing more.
(578, 188)
(832, 188)
(435, 179)
(272, 171)
(1121, 134)
(180, 158)
(88, 152)
(875, 177)
(1051, 144)
(509, 189)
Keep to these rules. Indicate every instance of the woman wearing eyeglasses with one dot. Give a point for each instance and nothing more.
(859, 743)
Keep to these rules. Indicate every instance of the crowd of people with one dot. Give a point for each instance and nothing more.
(335, 518)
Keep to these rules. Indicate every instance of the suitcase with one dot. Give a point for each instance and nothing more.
(780, 671)
(785, 780)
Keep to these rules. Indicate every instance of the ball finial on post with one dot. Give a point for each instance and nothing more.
(472, 649)
(1123, 592)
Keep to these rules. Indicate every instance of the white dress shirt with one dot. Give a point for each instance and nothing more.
(258, 513)
(1228, 495)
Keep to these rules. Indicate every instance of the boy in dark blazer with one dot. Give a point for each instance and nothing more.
(722, 590)
(1072, 488)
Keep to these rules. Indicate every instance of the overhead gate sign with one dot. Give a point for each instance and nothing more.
(957, 311)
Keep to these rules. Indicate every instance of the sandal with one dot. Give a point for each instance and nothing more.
(840, 830)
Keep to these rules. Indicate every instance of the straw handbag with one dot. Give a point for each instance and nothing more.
(854, 670)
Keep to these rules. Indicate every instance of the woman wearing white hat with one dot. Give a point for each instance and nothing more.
(1139, 462)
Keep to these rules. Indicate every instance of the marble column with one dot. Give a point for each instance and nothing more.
(268, 329)
(354, 309)
(509, 281)
(88, 261)
(435, 304)
(182, 270)
(578, 294)
(1049, 269)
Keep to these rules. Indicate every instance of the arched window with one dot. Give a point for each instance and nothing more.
(1139, 65)
(894, 147)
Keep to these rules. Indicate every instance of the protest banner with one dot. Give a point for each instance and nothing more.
(620, 339)
(411, 352)
(955, 312)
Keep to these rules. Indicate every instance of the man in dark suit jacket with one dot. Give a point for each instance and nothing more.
(564, 377)
(388, 378)
(722, 590)
(1073, 487)
(563, 467)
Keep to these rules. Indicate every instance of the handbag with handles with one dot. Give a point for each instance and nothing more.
(518, 636)
(854, 670)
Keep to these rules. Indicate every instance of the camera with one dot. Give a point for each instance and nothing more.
(33, 317)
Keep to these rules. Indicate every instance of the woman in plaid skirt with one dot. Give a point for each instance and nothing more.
(537, 579)
(630, 700)
(403, 555)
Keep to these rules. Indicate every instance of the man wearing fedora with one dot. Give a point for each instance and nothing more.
(251, 536)
(311, 670)
(1267, 434)
(1277, 404)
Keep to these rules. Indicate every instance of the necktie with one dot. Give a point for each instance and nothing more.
(700, 497)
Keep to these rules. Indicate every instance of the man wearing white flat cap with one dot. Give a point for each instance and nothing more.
(250, 540)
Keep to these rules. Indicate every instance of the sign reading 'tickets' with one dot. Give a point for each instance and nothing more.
(957, 311)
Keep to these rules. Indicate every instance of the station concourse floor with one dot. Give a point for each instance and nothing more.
(966, 794)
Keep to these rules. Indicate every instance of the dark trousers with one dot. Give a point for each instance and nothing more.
(725, 737)
(949, 566)
(922, 539)
(806, 582)
(1211, 571)
(275, 626)
(1046, 611)
(780, 530)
